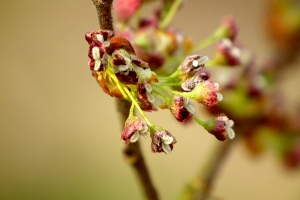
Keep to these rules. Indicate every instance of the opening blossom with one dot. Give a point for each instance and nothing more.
(181, 108)
(124, 74)
(205, 92)
(134, 127)
(162, 141)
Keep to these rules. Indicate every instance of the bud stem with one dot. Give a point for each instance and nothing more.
(205, 43)
(166, 21)
(137, 106)
(184, 94)
(131, 111)
(118, 84)
(199, 121)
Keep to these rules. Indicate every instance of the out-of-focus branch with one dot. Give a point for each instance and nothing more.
(213, 166)
(201, 186)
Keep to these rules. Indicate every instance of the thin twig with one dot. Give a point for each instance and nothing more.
(132, 151)
(213, 166)
(200, 187)
(103, 8)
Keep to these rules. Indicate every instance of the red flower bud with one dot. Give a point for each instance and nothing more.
(134, 127)
(162, 141)
(221, 128)
(192, 63)
(181, 108)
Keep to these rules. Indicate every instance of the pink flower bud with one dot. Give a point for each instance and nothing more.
(125, 9)
(206, 92)
(134, 127)
(221, 128)
(230, 27)
(227, 53)
(181, 108)
(162, 141)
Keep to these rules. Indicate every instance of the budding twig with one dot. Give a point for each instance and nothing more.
(132, 151)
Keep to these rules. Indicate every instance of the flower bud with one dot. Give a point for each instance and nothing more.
(125, 9)
(200, 76)
(123, 67)
(192, 64)
(99, 36)
(147, 100)
(98, 41)
(227, 53)
(221, 127)
(162, 140)
(228, 29)
(206, 92)
(181, 108)
(134, 127)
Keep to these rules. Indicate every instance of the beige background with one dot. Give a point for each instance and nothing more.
(59, 133)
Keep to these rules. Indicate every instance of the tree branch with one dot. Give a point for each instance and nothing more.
(213, 166)
(201, 186)
(103, 8)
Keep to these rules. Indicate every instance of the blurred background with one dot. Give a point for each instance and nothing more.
(60, 134)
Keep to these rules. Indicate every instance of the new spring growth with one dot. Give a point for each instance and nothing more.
(122, 74)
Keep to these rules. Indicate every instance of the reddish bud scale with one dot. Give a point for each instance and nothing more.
(119, 42)
(107, 86)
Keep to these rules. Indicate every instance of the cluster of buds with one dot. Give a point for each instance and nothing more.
(121, 73)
